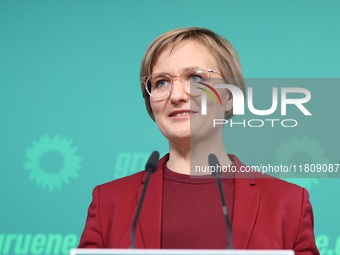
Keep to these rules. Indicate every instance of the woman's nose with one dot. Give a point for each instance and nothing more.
(179, 92)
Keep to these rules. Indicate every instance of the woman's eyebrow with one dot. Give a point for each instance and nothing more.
(189, 68)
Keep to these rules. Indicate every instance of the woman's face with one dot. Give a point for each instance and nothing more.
(178, 116)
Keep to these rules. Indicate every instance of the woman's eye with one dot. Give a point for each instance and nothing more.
(161, 84)
(197, 78)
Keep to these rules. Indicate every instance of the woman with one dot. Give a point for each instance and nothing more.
(183, 212)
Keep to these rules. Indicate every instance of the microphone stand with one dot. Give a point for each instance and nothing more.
(150, 168)
(213, 161)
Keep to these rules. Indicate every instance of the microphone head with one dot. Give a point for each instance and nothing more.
(213, 161)
(151, 164)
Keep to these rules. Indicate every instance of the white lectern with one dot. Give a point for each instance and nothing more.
(177, 252)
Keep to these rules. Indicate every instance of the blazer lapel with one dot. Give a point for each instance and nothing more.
(246, 205)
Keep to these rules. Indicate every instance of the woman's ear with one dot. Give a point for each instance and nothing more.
(229, 102)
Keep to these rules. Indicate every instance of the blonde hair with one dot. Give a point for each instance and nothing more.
(223, 52)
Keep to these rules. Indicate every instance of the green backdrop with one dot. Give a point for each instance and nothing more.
(72, 115)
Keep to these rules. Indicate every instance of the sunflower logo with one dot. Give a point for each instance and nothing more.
(302, 150)
(52, 162)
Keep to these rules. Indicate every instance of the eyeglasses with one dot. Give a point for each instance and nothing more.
(160, 85)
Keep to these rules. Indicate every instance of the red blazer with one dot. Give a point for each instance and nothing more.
(268, 214)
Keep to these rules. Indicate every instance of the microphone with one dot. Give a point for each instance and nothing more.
(150, 167)
(213, 161)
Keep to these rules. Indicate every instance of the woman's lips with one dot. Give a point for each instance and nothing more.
(181, 114)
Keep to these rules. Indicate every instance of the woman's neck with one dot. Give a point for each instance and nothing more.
(188, 158)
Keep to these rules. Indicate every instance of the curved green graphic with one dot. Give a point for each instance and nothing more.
(296, 147)
(209, 93)
(70, 162)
